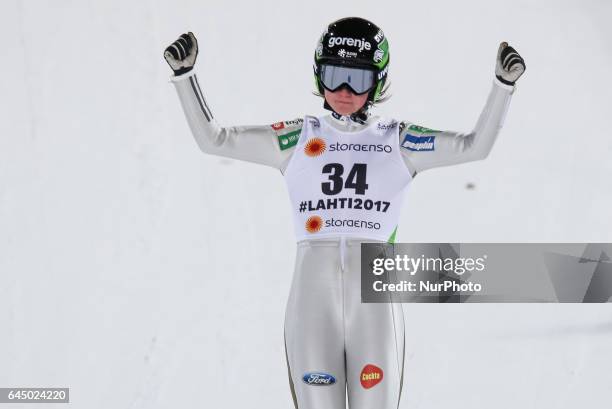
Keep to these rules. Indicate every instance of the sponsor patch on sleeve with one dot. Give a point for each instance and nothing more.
(278, 126)
(421, 130)
(418, 143)
(288, 132)
(295, 122)
(286, 141)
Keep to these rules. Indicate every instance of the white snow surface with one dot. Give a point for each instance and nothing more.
(143, 274)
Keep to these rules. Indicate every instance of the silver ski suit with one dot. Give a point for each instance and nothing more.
(334, 343)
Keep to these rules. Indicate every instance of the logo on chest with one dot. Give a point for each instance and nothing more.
(317, 146)
(386, 126)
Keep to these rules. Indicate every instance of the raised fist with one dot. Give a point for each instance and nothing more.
(510, 65)
(181, 54)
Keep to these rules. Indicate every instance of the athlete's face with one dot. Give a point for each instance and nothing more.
(344, 101)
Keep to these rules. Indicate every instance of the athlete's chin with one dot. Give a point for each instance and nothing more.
(344, 108)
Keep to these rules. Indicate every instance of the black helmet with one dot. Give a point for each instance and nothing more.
(357, 43)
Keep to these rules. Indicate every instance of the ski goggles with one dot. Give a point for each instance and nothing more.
(359, 80)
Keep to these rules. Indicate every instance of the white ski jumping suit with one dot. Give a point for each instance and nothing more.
(346, 182)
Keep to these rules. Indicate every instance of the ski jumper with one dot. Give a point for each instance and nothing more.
(346, 183)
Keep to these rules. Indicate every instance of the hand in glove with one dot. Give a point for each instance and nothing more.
(181, 55)
(510, 65)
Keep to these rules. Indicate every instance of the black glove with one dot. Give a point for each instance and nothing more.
(510, 65)
(181, 55)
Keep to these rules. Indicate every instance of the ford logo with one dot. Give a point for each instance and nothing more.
(318, 378)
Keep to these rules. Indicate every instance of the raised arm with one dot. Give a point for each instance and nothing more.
(425, 148)
(263, 144)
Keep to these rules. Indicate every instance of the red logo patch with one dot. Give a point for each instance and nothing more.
(314, 224)
(315, 147)
(371, 375)
(278, 126)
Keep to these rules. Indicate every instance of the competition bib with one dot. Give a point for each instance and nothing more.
(347, 183)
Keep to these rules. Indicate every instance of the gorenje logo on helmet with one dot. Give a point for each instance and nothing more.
(362, 44)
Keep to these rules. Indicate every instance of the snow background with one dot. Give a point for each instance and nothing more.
(143, 274)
